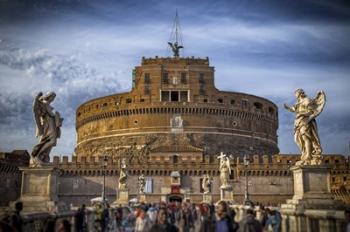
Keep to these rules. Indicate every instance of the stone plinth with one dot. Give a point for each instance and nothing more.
(312, 207)
(122, 197)
(207, 198)
(226, 193)
(39, 190)
(142, 197)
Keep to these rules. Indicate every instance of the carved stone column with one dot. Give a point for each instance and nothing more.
(312, 207)
(39, 190)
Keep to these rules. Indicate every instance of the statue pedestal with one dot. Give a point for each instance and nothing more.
(312, 207)
(207, 198)
(122, 197)
(142, 197)
(226, 193)
(39, 190)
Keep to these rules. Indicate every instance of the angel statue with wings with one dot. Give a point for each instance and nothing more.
(48, 123)
(305, 127)
(142, 183)
(225, 170)
(175, 48)
(206, 183)
(123, 177)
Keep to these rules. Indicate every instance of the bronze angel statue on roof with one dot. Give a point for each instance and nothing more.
(305, 128)
(175, 48)
(48, 123)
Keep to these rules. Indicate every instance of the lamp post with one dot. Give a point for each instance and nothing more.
(246, 200)
(104, 165)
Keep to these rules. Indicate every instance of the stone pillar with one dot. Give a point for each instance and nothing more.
(142, 197)
(207, 198)
(39, 190)
(122, 197)
(312, 207)
(226, 193)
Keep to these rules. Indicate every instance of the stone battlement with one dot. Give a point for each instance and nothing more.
(255, 160)
(175, 60)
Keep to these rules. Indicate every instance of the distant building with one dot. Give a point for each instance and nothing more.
(10, 181)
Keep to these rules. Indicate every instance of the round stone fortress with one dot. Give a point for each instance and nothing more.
(174, 108)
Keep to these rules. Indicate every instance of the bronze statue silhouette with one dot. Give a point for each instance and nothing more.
(175, 48)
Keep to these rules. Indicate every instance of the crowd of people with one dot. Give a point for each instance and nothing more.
(160, 217)
(185, 217)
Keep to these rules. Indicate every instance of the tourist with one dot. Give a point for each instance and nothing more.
(16, 218)
(198, 219)
(50, 224)
(118, 215)
(62, 225)
(232, 215)
(264, 215)
(185, 220)
(273, 221)
(98, 218)
(161, 224)
(249, 223)
(105, 217)
(80, 219)
(143, 222)
(223, 222)
(347, 218)
(152, 213)
(5, 227)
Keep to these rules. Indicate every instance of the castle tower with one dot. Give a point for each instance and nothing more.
(175, 104)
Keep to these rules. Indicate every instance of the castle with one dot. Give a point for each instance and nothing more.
(172, 125)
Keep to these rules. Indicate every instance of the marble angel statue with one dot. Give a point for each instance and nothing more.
(305, 128)
(48, 124)
(123, 175)
(142, 183)
(206, 183)
(225, 170)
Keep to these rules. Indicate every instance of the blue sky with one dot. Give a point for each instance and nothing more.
(83, 49)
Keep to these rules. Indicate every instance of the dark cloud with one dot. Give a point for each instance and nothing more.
(73, 82)
(86, 49)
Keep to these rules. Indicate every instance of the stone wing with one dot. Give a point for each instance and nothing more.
(38, 110)
(319, 103)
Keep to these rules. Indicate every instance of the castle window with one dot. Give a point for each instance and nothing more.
(147, 78)
(175, 81)
(147, 90)
(201, 78)
(220, 100)
(105, 104)
(232, 102)
(128, 100)
(142, 100)
(184, 96)
(79, 114)
(344, 178)
(326, 161)
(165, 96)
(183, 78)
(244, 103)
(271, 110)
(174, 96)
(149, 185)
(165, 78)
(333, 179)
(336, 161)
(205, 100)
(258, 105)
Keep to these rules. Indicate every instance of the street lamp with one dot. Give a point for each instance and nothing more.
(246, 200)
(104, 165)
